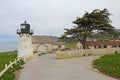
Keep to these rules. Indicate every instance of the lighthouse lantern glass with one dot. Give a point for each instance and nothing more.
(22, 26)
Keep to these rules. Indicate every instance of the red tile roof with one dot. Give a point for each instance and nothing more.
(92, 43)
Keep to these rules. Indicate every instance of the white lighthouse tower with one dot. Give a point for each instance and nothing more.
(25, 49)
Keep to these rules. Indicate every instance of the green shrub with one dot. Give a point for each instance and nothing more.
(5, 58)
(116, 52)
(89, 54)
(63, 49)
(83, 54)
(43, 53)
(109, 64)
(9, 74)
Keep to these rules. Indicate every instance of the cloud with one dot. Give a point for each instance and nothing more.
(50, 17)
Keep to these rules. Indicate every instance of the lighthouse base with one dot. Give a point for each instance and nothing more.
(28, 58)
(25, 50)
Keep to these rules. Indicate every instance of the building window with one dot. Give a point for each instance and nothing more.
(100, 46)
(95, 47)
(105, 46)
(22, 27)
(118, 45)
(114, 46)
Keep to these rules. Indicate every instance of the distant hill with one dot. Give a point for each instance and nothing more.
(55, 38)
(118, 30)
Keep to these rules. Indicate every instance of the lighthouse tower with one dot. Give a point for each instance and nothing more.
(25, 49)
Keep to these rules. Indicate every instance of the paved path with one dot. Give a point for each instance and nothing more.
(47, 67)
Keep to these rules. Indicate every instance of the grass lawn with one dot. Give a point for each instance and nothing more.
(71, 46)
(5, 57)
(109, 64)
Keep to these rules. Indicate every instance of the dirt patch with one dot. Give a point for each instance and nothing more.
(17, 74)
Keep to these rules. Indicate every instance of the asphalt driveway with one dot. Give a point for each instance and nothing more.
(47, 67)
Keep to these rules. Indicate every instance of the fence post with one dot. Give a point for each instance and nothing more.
(11, 64)
(15, 62)
(5, 65)
(18, 59)
(82, 52)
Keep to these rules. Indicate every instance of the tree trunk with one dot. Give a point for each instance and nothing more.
(84, 44)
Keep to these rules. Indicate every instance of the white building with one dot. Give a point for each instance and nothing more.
(46, 44)
(25, 49)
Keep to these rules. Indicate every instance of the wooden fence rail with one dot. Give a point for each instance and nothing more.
(9, 66)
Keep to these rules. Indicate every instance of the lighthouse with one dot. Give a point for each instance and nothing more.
(25, 49)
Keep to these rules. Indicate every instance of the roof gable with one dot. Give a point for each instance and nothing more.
(41, 39)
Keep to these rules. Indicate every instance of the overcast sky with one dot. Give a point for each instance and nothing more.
(49, 17)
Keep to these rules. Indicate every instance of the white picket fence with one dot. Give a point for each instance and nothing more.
(9, 66)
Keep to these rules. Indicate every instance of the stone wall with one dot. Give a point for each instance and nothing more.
(84, 52)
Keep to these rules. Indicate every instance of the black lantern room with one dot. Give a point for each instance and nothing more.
(24, 28)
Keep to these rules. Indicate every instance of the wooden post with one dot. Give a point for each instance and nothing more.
(82, 52)
(15, 62)
(18, 59)
(5, 65)
(11, 64)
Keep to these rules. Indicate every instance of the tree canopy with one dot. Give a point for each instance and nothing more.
(96, 20)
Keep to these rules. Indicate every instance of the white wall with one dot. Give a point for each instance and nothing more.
(79, 45)
(42, 47)
(25, 46)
